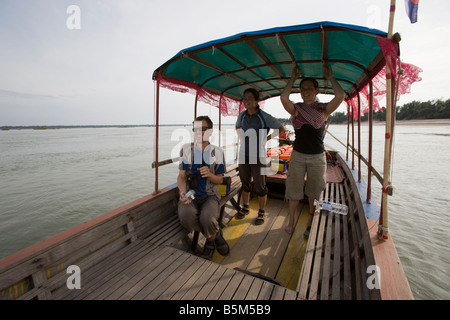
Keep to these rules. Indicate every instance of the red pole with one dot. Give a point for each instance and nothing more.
(369, 173)
(348, 130)
(156, 137)
(359, 138)
(195, 106)
(353, 142)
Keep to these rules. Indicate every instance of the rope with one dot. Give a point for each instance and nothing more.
(345, 146)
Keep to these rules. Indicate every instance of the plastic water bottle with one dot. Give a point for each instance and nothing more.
(332, 207)
(190, 194)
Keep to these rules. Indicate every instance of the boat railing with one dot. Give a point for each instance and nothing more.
(173, 160)
(349, 147)
(354, 150)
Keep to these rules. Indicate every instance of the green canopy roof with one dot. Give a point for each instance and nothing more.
(264, 60)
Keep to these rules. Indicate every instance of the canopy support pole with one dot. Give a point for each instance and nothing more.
(359, 138)
(369, 160)
(195, 106)
(220, 120)
(156, 137)
(349, 113)
(383, 230)
(220, 129)
(353, 139)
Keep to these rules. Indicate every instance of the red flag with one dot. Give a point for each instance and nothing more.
(411, 9)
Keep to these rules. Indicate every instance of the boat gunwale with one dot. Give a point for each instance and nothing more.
(386, 256)
(51, 242)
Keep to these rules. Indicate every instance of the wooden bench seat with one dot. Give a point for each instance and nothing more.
(165, 234)
(235, 189)
(40, 270)
(336, 259)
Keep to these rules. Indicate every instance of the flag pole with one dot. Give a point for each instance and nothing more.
(383, 229)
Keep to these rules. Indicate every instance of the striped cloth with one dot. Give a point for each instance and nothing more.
(309, 114)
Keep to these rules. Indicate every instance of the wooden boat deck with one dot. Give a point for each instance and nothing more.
(332, 264)
(145, 271)
(265, 263)
(267, 249)
(139, 254)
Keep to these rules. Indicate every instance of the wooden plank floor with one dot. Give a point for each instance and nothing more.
(267, 249)
(144, 271)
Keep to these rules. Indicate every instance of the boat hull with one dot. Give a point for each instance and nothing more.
(47, 269)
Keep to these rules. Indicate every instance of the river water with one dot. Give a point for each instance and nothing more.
(51, 180)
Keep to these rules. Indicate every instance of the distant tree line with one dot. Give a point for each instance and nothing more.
(416, 110)
(435, 109)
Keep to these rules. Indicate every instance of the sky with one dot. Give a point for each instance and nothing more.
(92, 64)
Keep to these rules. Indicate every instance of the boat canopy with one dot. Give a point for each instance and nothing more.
(219, 71)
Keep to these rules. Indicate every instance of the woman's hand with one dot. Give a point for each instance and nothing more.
(284, 97)
(339, 93)
(327, 72)
(295, 72)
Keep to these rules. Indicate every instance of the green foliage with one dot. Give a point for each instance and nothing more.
(433, 109)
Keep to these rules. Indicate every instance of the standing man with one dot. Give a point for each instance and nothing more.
(252, 126)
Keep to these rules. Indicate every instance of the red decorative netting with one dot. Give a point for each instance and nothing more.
(227, 106)
(231, 107)
(408, 75)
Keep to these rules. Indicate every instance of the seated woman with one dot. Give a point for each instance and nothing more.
(201, 169)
